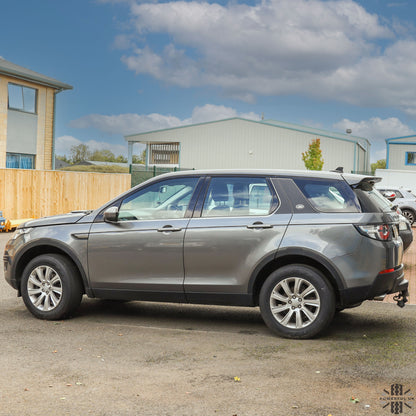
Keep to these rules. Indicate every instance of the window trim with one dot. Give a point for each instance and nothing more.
(22, 110)
(407, 157)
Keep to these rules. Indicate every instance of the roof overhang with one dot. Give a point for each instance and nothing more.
(12, 70)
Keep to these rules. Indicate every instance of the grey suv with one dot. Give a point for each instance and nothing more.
(298, 244)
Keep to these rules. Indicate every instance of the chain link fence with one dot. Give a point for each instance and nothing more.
(140, 174)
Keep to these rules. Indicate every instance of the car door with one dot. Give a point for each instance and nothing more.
(232, 231)
(141, 254)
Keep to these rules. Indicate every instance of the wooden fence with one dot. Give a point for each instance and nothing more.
(38, 193)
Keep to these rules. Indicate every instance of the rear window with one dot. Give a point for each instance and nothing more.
(329, 195)
(373, 201)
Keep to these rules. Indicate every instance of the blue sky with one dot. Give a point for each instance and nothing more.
(138, 66)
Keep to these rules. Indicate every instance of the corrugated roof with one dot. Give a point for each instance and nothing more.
(314, 130)
(17, 71)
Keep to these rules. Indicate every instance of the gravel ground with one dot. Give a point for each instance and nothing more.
(142, 358)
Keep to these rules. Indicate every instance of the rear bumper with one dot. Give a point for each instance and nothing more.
(384, 284)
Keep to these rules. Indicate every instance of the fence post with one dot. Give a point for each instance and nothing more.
(154, 170)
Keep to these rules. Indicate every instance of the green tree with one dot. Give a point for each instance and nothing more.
(313, 156)
(121, 159)
(136, 159)
(80, 153)
(103, 155)
(380, 164)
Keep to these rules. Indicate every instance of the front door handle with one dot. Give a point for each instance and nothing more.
(168, 229)
(259, 225)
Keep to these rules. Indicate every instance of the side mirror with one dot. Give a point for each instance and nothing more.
(111, 214)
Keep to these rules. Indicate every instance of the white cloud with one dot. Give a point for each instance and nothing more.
(375, 129)
(324, 49)
(125, 124)
(210, 112)
(63, 146)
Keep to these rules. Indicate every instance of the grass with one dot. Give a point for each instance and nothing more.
(96, 168)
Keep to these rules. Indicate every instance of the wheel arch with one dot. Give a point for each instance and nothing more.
(48, 247)
(295, 256)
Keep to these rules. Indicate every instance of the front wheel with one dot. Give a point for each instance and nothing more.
(297, 301)
(51, 287)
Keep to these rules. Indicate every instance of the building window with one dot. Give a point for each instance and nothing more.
(164, 154)
(22, 98)
(20, 161)
(410, 158)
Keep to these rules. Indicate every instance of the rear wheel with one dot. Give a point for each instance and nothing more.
(297, 301)
(51, 287)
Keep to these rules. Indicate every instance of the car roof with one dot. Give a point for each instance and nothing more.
(265, 172)
(350, 178)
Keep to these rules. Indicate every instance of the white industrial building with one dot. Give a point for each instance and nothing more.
(401, 153)
(242, 143)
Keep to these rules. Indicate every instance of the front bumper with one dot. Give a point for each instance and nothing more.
(384, 284)
(7, 266)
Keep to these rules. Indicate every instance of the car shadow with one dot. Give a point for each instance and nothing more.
(174, 315)
(346, 325)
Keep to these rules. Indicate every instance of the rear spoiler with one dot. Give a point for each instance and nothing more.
(366, 183)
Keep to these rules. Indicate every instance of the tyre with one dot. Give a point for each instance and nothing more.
(297, 301)
(51, 287)
(409, 214)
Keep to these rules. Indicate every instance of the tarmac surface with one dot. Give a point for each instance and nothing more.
(141, 358)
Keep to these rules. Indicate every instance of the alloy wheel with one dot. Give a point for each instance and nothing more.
(44, 288)
(295, 302)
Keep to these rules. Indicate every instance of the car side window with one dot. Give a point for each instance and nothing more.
(162, 200)
(237, 196)
(329, 195)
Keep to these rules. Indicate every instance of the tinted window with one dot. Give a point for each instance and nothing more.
(238, 196)
(329, 195)
(373, 201)
(162, 200)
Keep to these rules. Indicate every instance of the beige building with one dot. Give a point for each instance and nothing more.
(27, 117)
(241, 143)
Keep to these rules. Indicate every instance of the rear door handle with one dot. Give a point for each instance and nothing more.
(259, 225)
(168, 229)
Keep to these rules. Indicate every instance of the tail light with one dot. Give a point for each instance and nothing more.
(381, 232)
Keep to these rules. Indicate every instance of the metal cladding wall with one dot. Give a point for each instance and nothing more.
(239, 143)
(397, 150)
